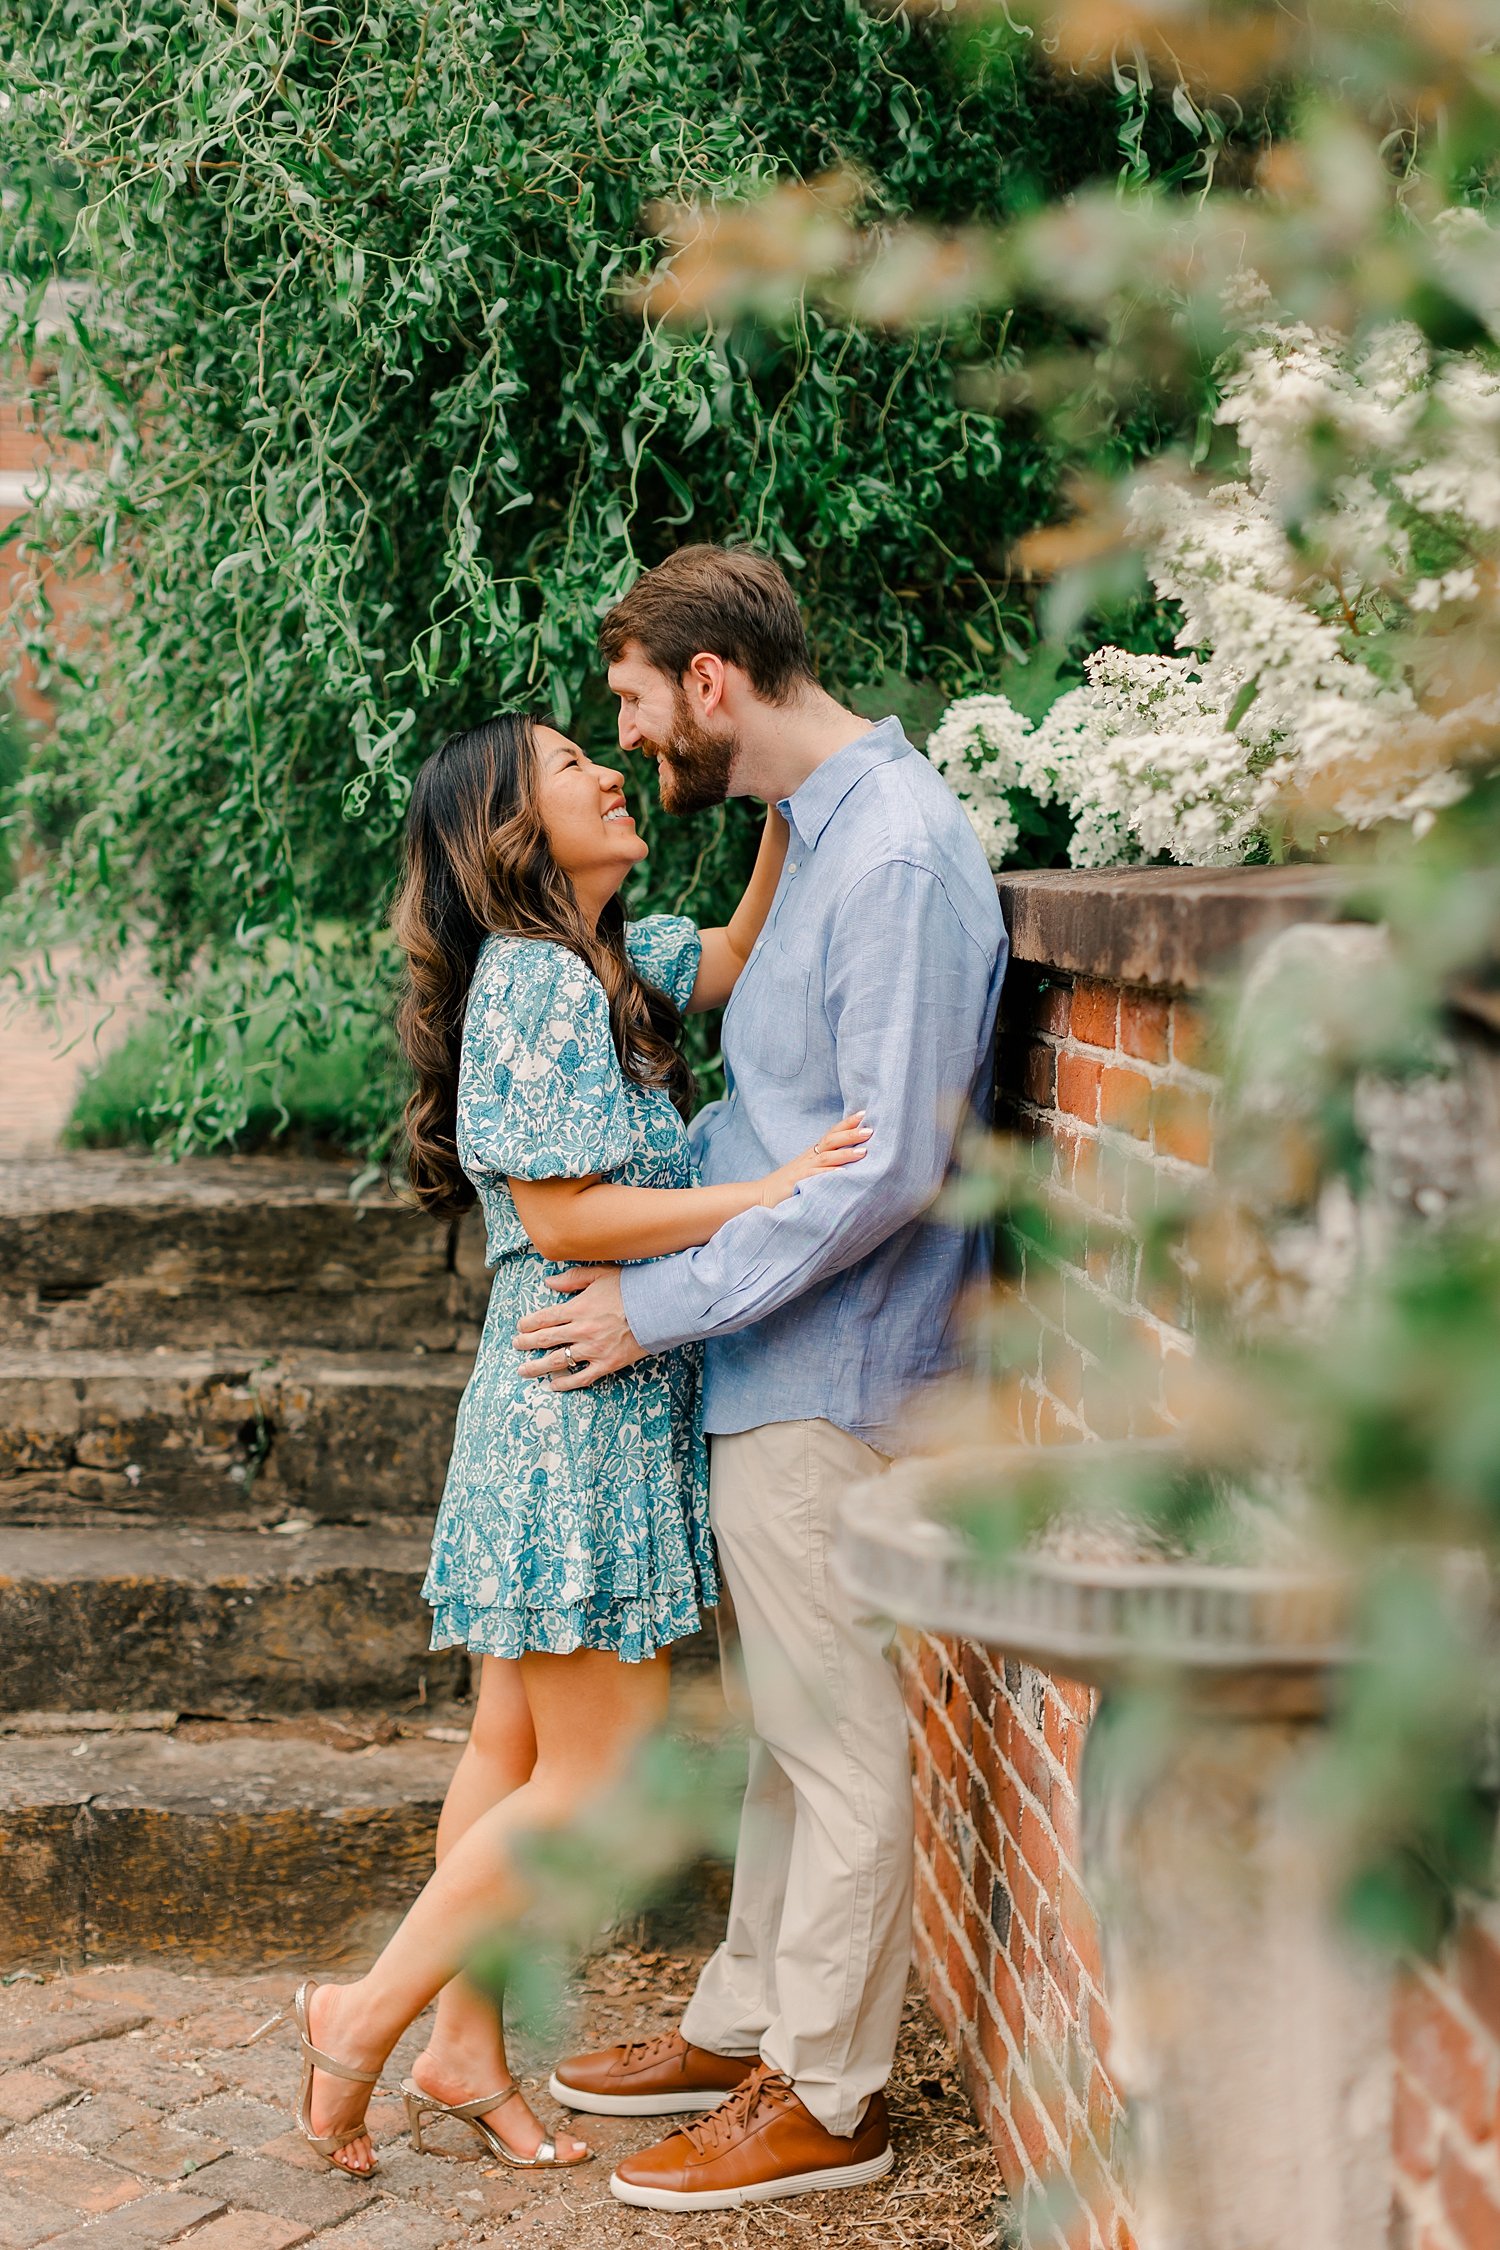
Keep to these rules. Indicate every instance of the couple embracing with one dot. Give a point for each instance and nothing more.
(771, 1277)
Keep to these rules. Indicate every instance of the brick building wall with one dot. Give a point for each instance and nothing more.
(1105, 1060)
(26, 460)
(1447, 2121)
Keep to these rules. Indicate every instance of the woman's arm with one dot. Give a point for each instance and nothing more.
(726, 951)
(594, 1221)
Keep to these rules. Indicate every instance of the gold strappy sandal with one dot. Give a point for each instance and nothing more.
(420, 2105)
(326, 2145)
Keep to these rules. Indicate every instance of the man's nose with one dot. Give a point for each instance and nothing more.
(629, 733)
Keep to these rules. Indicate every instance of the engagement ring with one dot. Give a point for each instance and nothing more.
(574, 1363)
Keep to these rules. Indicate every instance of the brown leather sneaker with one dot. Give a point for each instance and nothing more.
(660, 2077)
(758, 2145)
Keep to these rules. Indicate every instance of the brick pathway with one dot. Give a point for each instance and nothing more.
(40, 1064)
(133, 2115)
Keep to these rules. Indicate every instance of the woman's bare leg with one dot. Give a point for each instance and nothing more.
(466, 2054)
(589, 1712)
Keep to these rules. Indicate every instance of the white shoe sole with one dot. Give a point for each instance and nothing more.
(763, 2191)
(633, 2105)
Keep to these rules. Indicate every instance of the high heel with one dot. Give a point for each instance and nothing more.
(325, 2145)
(420, 2105)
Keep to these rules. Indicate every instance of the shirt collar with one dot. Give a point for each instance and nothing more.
(810, 808)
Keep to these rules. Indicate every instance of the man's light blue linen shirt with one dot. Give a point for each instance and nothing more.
(873, 986)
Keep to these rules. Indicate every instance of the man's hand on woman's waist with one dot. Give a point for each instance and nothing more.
(583, 1339)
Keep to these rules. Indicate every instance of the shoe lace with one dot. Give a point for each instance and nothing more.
(762, 2089)
(660, 2047)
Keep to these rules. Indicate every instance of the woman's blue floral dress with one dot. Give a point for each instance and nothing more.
(570, 1519)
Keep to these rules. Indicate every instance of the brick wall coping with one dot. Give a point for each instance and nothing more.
(1173, 927)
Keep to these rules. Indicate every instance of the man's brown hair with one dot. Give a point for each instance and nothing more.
(729, 602)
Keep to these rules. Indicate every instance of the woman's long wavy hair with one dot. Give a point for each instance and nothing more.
(476, 860)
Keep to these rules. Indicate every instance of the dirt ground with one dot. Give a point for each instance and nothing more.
(132, 2115)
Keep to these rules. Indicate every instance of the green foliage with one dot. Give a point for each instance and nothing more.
(378, 436)
(318, 1098)
(13, 746)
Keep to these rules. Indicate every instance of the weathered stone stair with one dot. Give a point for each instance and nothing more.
(226, 1400)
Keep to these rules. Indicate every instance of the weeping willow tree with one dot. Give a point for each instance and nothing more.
(371, 433)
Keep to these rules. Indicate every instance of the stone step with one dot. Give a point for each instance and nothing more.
(222, 1847)
(224, 1435)
(113, 1251)
(213, 1622)
(242, 1847)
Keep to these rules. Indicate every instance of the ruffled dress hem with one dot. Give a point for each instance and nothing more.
(634, 1631)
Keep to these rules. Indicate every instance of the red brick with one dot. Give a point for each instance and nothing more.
(974, 1928)
(1025, 1895)
(1146, 1026)
(1053, 1006)
(1102, 2106)
(1182, 1124)
(1039, 1851)
(149, 2222)
(1010, 2000)
(939, 1743)
(1078, 1087)
(1179, 1391)
(1444, 2056)
(1413, 2131)
(25, 2094)
(1095, 1013)
(1062, 1369)
(1478, 1970)
(1470, 2202)
(1125, 1101)
(945, 1869)
(1009, 2155)
(1081, 1930)
(1026, 2123)
(1065, 1821)
(1039, 1075)
(1053, 1426)
(961, 1979)
(81, 2183)
(1191, 1038)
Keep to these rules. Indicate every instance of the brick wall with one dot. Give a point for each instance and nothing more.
(1447, 2124)
(1111, 1078)
(1006, 1940)
(24, 454)
(1104, 1060)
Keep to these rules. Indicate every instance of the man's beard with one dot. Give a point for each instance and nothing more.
(695, 766)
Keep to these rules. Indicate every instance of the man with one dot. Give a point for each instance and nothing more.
(873, 986)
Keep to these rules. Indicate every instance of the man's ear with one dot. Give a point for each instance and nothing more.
(704, 683)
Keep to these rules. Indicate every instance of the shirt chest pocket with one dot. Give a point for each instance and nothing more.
(765, 1025)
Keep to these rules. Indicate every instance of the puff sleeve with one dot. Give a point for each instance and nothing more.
(541, 1095)
(666, 948)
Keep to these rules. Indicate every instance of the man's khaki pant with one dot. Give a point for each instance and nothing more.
(812, 1971)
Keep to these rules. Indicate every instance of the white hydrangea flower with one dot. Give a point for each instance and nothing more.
(977, 746)
(1293, 689)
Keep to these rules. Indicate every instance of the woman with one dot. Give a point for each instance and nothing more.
(572, 1546)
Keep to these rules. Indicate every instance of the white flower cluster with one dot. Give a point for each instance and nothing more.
(1337, 600)
(978, 747)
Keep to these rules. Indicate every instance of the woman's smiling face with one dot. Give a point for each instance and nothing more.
(589, 831)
